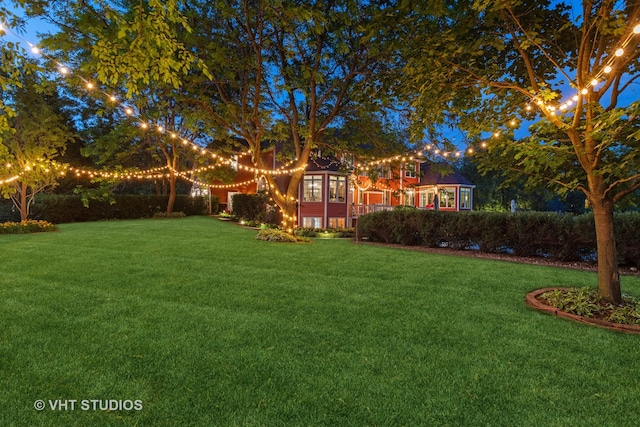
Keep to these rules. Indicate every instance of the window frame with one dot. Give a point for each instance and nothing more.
(316, 188)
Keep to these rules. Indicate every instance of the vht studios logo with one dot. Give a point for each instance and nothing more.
(88, 405)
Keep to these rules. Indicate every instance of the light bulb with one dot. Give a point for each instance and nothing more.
(619, 52)
(607, 69)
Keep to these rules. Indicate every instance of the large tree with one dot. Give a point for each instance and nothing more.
(133, 48)
(489, 67)
(289, 72)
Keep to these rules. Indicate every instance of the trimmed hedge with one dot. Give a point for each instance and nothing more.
(559, 237)
(68, 208)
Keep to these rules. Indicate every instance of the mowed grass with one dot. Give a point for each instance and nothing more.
(208, 327)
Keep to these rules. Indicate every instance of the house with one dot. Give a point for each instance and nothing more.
(333, 194)
(331, 197)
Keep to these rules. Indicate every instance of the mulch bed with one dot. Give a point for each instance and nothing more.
(533, 300)
(587, 266)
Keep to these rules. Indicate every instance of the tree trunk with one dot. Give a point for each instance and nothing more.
(608, 275)
(172, 192)
(24, 212)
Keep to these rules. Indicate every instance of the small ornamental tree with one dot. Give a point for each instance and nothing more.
(490, 66)
(37, 135)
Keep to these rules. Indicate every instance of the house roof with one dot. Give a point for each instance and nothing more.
(441, 175)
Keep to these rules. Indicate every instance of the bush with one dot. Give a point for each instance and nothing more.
(26, 227)
(253, 207)
(559, 237)
(171, 215)
(275, 235)
(69, 208)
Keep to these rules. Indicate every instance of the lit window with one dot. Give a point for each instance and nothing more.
(410, 197)
(312, 188)
(465, 198)
(312, 222)
(336, 222)
(447, 197)
(337, 188)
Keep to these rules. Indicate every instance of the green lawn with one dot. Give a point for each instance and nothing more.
(208, 327)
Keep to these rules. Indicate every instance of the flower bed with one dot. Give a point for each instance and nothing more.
(26, 227)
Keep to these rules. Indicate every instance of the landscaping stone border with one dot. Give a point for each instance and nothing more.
(533, 301)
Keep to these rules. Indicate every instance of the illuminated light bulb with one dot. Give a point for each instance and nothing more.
(437, 151)
(619, 52)
(470, 150)
(89, 85)
(569, 103)
(185, 142)
(27, 168)
(483, 145)
(496, 134)
(64, 70)
(552, 108)
(113, 98)
(529, 107)
(128, 111)
(144, 125)
(575, 98)
(173, 135)
(513, 122)
(445, 154)
(636, 29)
(540, 102)
(563, 107)
(35, 49)
(607, 69)
(584, 91)
(160, 129)
(594, 82)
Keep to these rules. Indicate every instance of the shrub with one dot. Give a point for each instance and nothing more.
(275, 235)
(26, 227)
(560, 237)
(171, 215)
(253, 207)
(69, 208)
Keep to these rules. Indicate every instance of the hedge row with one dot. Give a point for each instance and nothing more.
(559, 237)
(69, 208)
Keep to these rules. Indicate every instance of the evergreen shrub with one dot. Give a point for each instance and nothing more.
(253, 207)
(558, 237)
(69, 208)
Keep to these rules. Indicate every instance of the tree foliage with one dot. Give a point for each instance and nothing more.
(37, 135)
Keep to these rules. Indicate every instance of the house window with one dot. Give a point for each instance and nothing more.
(312, 222)
(312, 188)
(426, 198)
(337, 188)
(448, 197)
(410, 197)
(465, 198)
(410, 170)
(336, 222)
